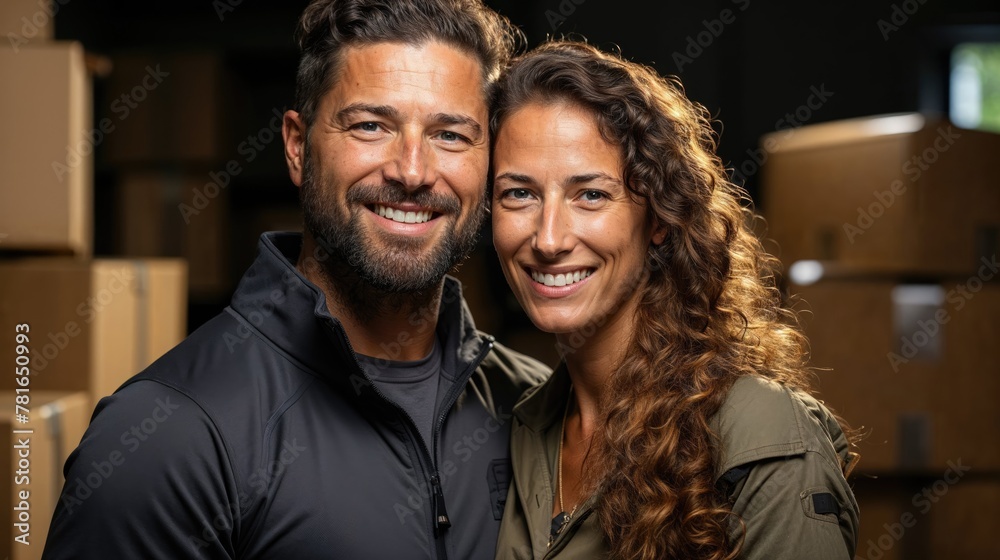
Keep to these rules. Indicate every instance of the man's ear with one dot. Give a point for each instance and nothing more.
(293, 132)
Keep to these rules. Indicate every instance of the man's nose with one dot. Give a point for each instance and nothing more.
(413, 163)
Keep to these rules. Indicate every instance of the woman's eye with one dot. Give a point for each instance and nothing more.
(518, 194)
(593, 196)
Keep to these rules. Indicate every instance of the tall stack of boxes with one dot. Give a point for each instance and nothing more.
(889, 229)
(74, 327)
(172, 189)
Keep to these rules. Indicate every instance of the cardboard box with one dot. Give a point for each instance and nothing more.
(904, 190)
(23, 22)
(167, 108)
(94, 323)
(46, 157)
(914, 365)
(950, 514)
(963, 520)
(177, 214)
(57, 422)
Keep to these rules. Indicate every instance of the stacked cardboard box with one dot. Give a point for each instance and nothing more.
(169, 214)
(94, 323)
(889, 228)
(46, 170)
(90, 323)
(904, 190)
(167, 108)
(32, 471)
(172, 190)
(25, 21)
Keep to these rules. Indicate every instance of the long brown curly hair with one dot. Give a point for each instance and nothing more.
(709, 311)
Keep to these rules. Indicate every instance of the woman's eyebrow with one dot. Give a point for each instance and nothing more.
(515, 178)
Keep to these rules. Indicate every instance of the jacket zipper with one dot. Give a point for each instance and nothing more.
(561, 538)
(439, 512)
(441, 520)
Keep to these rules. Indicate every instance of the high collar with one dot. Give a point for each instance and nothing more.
(543, 405)
(291, 312)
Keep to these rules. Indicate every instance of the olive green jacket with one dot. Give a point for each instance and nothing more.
(781, 462)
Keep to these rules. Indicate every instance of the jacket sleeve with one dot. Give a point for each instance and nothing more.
(151, 479)
(796, 507)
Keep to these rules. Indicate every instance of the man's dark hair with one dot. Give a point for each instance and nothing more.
(327, 27)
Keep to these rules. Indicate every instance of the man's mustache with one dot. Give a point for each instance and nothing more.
(394, 194)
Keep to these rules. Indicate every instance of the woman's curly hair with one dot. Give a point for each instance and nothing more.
(709, 309)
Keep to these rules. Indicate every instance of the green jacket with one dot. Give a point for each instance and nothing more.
(781, 463)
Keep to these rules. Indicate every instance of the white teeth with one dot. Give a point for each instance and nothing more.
(559, 279)
(403, 217)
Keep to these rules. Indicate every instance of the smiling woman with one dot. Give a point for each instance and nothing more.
(572, 235)
(679, 424)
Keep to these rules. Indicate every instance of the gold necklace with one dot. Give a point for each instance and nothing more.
(562, 519)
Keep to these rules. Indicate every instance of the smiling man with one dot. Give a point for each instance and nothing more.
(344, 405)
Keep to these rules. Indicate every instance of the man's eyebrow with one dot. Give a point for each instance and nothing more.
(451, 118)
(381, 110)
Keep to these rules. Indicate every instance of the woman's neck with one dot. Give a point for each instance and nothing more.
(591, 361)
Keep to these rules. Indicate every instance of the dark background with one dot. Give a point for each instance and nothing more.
(752, 63)
(763, 62)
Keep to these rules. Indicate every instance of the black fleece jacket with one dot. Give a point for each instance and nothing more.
(260, 436)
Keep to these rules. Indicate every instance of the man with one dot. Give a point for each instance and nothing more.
(343, 406)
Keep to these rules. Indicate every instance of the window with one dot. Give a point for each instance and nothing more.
(975, 86)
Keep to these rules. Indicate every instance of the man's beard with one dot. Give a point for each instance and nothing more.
(398, 265)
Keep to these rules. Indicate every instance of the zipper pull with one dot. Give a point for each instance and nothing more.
(441, 521)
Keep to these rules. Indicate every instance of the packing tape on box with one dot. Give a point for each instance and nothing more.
(52, 414)
(143, 296)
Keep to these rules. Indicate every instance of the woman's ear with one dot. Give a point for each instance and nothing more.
(659, 233)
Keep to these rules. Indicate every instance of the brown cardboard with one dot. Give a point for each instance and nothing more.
(904, 190)
(963, 520)
(24, 22)
(167, 108)
(46, 155)
(57, 422)
(917, 413)
(170, 214)
(941, 516)
(94, 324)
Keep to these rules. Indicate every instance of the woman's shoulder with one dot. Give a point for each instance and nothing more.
(763, 419)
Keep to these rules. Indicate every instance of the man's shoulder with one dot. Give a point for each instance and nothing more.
(223, 377)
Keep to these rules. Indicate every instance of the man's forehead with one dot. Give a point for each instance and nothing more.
(428, 64)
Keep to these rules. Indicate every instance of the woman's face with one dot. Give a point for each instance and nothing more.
(571, 240)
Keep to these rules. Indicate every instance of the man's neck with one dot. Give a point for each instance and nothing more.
(389, 326)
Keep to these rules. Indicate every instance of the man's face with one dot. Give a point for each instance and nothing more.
(393, 174)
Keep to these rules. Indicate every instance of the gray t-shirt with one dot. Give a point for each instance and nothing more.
(411, 385)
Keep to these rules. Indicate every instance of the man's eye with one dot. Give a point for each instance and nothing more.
(449, 136)
(367, 127)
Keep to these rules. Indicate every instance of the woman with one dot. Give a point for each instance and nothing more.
(679, 424)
